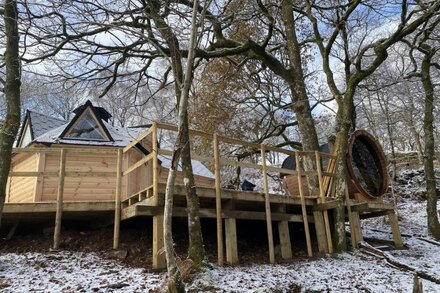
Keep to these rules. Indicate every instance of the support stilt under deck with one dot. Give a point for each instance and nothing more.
(159, 261)
(231, 235)
(320, 232)
(395, 229)
(284, 234)
(357, 228)
(231, 241)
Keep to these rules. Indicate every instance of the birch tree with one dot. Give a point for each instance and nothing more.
(182, 87)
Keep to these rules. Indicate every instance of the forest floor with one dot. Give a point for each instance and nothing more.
(87, 265)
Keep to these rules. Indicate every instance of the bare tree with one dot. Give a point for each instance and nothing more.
(11, 88)
(426, 43)
(334, 25)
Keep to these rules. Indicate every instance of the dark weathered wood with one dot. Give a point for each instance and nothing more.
(12, 231)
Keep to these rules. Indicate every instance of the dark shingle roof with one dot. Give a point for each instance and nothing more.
(41, 124)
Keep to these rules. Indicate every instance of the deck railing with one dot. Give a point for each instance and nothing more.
(322, 177)
(216, 143)
(61, 173)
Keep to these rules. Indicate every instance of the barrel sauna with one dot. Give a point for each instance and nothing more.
(366, 165)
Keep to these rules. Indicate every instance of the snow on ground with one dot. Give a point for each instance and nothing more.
(347, 272)
(71, 272)
(352, 271)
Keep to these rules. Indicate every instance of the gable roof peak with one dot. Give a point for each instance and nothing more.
(87, 124)
(100, 112)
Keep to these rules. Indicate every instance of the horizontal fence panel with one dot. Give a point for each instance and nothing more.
(138, 164)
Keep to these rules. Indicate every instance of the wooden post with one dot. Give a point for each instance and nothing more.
(394, 222)
(303, 206)
(322, 197)
(58, 216)
(357, 226)
(284, 235)
(320, 231)
(39, 180)
(218, 200)
(267, 206)
(155, 149)
(117, 223)
(159, 261)
(8, 185)
(231, 235)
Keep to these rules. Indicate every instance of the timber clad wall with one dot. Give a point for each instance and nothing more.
(80, 188)
(90, 188)
(21, 189)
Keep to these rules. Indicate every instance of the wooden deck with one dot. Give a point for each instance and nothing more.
(225, 205)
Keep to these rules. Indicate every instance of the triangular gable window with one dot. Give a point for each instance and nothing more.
(86, 127)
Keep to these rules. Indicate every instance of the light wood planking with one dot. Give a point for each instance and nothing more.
(59, 212)
(303, 206)
(117, 223)
(218, 200)
(267, 206)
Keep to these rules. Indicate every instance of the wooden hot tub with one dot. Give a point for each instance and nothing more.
(366, 165)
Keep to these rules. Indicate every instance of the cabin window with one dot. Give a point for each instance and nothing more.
(86, 127)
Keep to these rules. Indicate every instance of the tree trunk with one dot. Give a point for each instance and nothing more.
(9, 130)
(428, 127)
(344, 127)
(300, 100)
(196, 250)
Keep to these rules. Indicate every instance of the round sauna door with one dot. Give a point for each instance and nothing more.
(366, 164)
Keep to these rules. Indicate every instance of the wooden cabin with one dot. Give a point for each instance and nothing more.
(89, 129)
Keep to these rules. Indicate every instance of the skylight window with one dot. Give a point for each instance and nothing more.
(86, 127)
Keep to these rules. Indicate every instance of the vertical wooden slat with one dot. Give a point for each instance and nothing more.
(60, 195)
(8, 187)
(117, 224)
(267, 205)
(322, 197)
(39, 180)
(218, 200)
(155, 165)
(303, 206)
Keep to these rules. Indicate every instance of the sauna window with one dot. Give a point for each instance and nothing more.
(86, 127)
